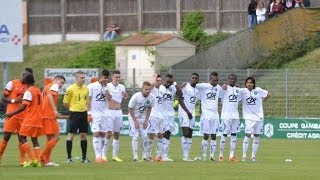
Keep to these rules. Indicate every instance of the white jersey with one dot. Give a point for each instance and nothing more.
(116, 91)
(157, 109)
(168, 95)
(209, 96)
(190, 98)
(230, 103)
(140, 104)
(98, 105)
(252, 103)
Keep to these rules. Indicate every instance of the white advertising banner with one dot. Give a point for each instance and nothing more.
(11, 45)
(69, 74)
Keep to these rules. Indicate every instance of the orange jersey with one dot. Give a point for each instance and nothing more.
(32, 98)
(47, 110)
(14, 90)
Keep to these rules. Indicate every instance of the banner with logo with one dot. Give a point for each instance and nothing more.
(11, 45)
(69, 74)
(273, 128)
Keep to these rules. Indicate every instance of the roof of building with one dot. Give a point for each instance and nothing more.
(147, 39)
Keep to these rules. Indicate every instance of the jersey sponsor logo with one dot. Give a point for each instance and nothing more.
(211, 95)
(159, 99)
(192, 100)
(141, 109)
(167, 97)
(233, 98)
(100, 97)
(251, 101)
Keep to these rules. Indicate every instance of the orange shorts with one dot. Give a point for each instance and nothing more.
(50, 126)
(12, 125)
(30, 131)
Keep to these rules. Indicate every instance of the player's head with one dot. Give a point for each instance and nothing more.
(214, 78)
(27, 70)
(116, 76)
(104, 76)
(28, 79)
(60, 80)
(80, 77)
(194, 78)
(232, 79)
(168, 81)
(158, 80)
(250, 83)
(146, 88)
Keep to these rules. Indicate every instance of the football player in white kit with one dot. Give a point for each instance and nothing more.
(168, 92)
(98, 114)
(252, 98)
(209, 120)
(187, 119)
(140, 106)
(156, 120)
(230, 116)
(115, 93)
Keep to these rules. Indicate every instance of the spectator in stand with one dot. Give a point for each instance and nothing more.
(111, 32)
(299, 3)
(306, 3)
(289, 4)
(269, 8)
(252, 18)
(277, 8)
(261, 12)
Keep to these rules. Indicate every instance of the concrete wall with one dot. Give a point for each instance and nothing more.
(247, 46)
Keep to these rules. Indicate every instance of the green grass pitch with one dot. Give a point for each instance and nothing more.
(270, 163)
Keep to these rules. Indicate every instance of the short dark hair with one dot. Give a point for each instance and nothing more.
(253, 81)
(195, 74)
(232, 75)
(116, 71)
(60, 77)
(29, 70)
(29, 79)
(214, 73)
(105, 72)
(158, 75)
(169, 75)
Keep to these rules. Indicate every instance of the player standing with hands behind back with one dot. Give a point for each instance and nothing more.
(76, 100)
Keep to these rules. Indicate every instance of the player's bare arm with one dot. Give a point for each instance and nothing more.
(145, 123)
(19, 110)
(135, 121)
(181, 102)
(267, 97)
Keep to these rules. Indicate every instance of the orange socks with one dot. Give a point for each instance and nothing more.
(47, 150)
(3, 146)
(26, 147)
(22, 153)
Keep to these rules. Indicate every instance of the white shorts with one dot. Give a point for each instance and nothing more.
(115, 121)
(137, 132)
(253, 127)
(209, 125)
(100, 124)
(169, 123)
(230, 126)
(156, 125)
(186, 122)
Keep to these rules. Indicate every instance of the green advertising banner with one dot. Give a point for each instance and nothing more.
(287, 128)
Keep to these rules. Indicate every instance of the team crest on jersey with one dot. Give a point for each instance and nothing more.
(192, 99)
(255, 93)
(237, 91)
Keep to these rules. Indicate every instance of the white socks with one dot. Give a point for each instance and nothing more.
(105, 145)
(213, 146)
(233, 143)
(159, 147)
(115, 146)
(204, 147)
(255, 146)
(245, 146)
(222, 145)
(97, 146)
(135, 147)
